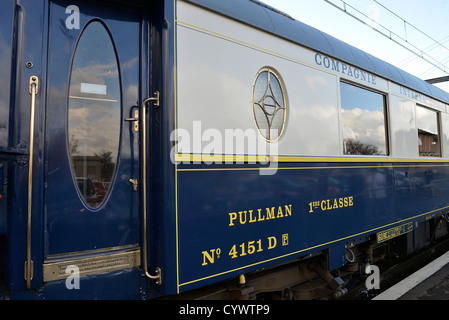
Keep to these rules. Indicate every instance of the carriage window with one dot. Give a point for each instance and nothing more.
(364, 125)
(94, 114)
(428, 132)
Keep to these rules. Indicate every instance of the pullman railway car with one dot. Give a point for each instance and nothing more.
(205, 149)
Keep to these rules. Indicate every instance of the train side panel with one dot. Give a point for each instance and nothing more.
(318, 198)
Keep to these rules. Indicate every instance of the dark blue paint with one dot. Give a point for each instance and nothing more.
(116, 222)
(6, 23)
(27, 45)
(3, 197)
(206, 199)
(122, 285)
(381, 198)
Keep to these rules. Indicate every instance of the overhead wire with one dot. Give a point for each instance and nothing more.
(411, 25)
(429, 48)
(401, 41)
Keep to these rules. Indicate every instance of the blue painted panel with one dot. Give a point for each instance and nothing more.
(121, 285)
(70, 225)
(421, 189)
(6, 17)
(3, 207)
(235, 221)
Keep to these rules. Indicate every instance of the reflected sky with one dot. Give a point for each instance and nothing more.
(363, 117)
(94, 111)
(94, 98)
(427, 120)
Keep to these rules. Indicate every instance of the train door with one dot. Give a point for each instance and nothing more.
(93, 138)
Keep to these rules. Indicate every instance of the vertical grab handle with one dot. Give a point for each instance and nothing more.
(29, 264)
(158, 276)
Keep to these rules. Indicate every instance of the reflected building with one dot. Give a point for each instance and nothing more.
(93, 167)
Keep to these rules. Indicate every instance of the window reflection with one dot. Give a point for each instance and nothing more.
(94, 114)
(363, 121)
(428, 132)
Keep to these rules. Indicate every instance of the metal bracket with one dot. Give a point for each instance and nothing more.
(157, 277)
(135, 184)
(34, 82)
(135, 119)
(155, 98)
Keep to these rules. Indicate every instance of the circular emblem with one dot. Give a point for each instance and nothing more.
(269, 105)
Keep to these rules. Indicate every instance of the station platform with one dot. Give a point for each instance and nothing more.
(429, 283)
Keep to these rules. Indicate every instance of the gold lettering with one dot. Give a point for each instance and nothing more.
(346, 202)
(328, 205)
(280, 213)
(323, 205)
(272, 243)
(340, 203)
(335, 204)
(288, 210)
(209, 257)
(241, 220)
(261, 218)
(351, 201)
(232, 218)
(242, 217)
(270, 214)
(251, 218)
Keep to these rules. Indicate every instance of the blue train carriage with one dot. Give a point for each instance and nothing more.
(356, 148)
(153, 149)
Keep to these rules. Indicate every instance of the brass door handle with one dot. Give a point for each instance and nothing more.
(158, 276)
(29, 264)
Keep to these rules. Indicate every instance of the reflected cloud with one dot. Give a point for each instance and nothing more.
(363, 119)
(94, 113)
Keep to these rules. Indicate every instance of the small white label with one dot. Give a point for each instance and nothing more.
(93, 88)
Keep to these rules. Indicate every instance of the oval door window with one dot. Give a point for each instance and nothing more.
(94, 114)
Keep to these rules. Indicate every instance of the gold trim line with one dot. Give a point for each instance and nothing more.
(218, 158)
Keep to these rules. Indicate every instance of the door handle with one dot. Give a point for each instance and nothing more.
(135, 119)
(29, 264)
(158, 276)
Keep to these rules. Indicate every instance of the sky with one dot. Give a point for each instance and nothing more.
(406, 19)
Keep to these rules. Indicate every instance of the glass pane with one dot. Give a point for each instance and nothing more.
(269, 105)
(276, 90)
(94, 114)
(364, 121)
(261, 87)
(428, 132)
